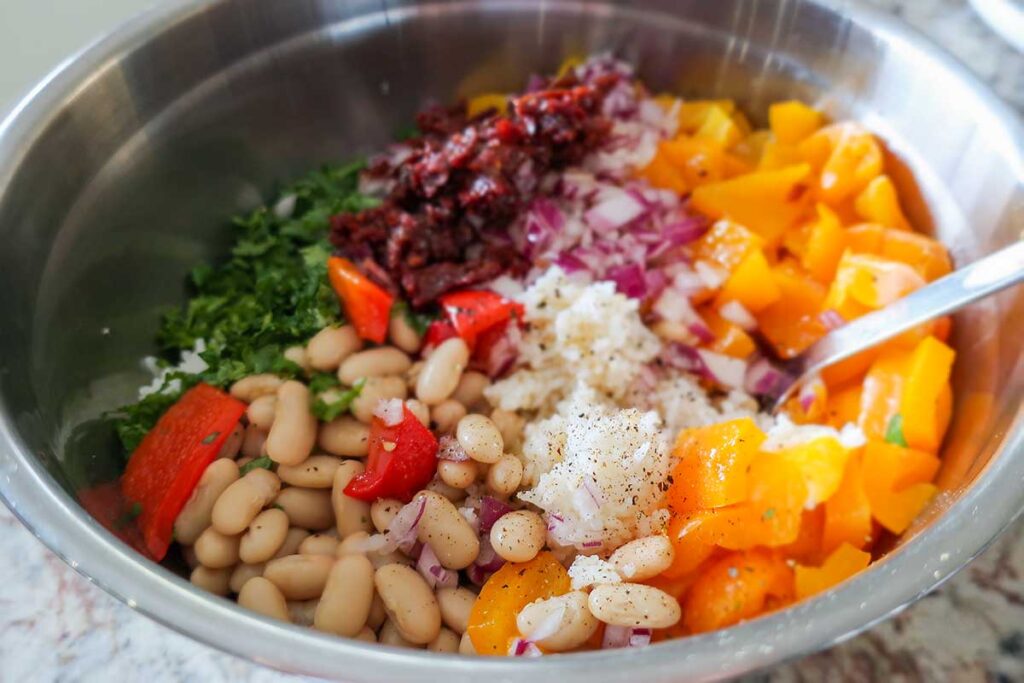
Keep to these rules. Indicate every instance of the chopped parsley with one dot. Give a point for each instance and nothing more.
(331, 403)
(271, 293)
(262, 462)
(894, 431)
(418, 320)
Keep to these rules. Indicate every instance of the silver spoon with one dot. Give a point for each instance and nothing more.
(985, 276)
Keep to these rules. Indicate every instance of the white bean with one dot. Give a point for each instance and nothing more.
(420, 410)
(350, 514)
(480, 438)
(297, 355)
(262, 596)
(390, 635)
(319, 544)
(302, 612)
(261, 411)
(409, 602)
(242, 573)
(446, 641)
(315, 472)
(446, 415)
(447, 531)
(643, 558)
(378, 615)
(458, 475)
(403, 335)
(575, 624)
(299, 577)
(382, 511)
(518, 536)
(294, 431)
(510, 425)
(456, 605)
(504, 476)
(366, 635)
(216, 550)
(307, 508)
(345, 436)
(240, 502)
(470, 389)
(345, 604)
(195, 516)
(466, 645)
(442, 371)
(292, 540)
(384, 361)
(635, 605)
(264, 537)
(250, 388)
(374, 390)
(212, 580)
(330, 346)
(450, 492)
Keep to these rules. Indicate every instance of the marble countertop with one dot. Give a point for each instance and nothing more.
(56, 626)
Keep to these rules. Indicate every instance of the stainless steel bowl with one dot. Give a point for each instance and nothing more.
(116, 171)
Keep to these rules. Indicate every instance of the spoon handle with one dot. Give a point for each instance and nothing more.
(963, 286)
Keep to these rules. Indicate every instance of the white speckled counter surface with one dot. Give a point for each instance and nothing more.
(56, 626)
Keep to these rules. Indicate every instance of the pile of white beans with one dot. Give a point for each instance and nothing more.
(290, 544)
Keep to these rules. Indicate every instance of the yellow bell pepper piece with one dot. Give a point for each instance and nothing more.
(792, 121)
(482, 103)
(720, 128)
(927, 376)
(844, 562)
(879, 203)
(751, 283)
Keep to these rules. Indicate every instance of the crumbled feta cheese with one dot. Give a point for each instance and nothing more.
(590, 570)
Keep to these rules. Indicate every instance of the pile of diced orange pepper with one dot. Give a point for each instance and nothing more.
(809, 232)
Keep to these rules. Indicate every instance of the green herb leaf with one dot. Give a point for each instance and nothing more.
(327, 410)
(129, 516)
(768, 514)
(210, 438)
(894, 431)
(322, 381)
(262, 462)
(271, 293)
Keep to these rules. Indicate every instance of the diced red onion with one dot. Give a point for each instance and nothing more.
(640, 637)
(678, 233)
(477, 575)
(725, 370)
(831, 319)
(806, 397)
(520, 647)
(569, 263)
(712, 276)
(449, 448)
(614, 212)
(555, 521)
(543, 221)
(629, 280)
(435, 574)
(687, 282)
(402, 529)
(736, 313)
(548, 626)
(591, 544)
(391, 411)
(624, 636)
(764, 379)
(471, 516)
(488, 560)
(491, 510)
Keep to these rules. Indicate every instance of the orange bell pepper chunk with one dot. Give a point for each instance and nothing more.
(751, 284)
(878, 203)
(661, 173)
(844, 562)
(730, 339)
(689, 542)
(492, 621)
(793, 323)
(792, 121)
(865, 282)
(924, 254)
(848, 512)
(767, 202)
(719, 127)
(726, 244)
(854, 158)
(692, 114)
(927, 376)
(698, 161)
(751, 148)
(895, 483)
(865, 238)
(735, 588)
(825, 245)
(807, 546)
(844, 405)
(821, 463)
(366, 304)
(776, 155)
(713, 464)
(883, 393)
(853, 368)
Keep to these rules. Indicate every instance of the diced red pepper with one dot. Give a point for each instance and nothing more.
(402, 460)
(165, 468)
(367, 306)
(107, 505)
(473, 312)
(495, 351)
(437, 332)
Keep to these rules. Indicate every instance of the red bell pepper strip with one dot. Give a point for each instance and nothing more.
(367, 306)
(472, 312)
(402, 460)
(165, 468)
(107, 505)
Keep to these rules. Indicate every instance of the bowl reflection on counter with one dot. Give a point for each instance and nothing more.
(116, 172)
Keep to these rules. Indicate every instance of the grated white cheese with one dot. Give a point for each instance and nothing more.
(590, 570)
(785, 434)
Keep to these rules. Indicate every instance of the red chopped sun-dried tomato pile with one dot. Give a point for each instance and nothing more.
(453, 192)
